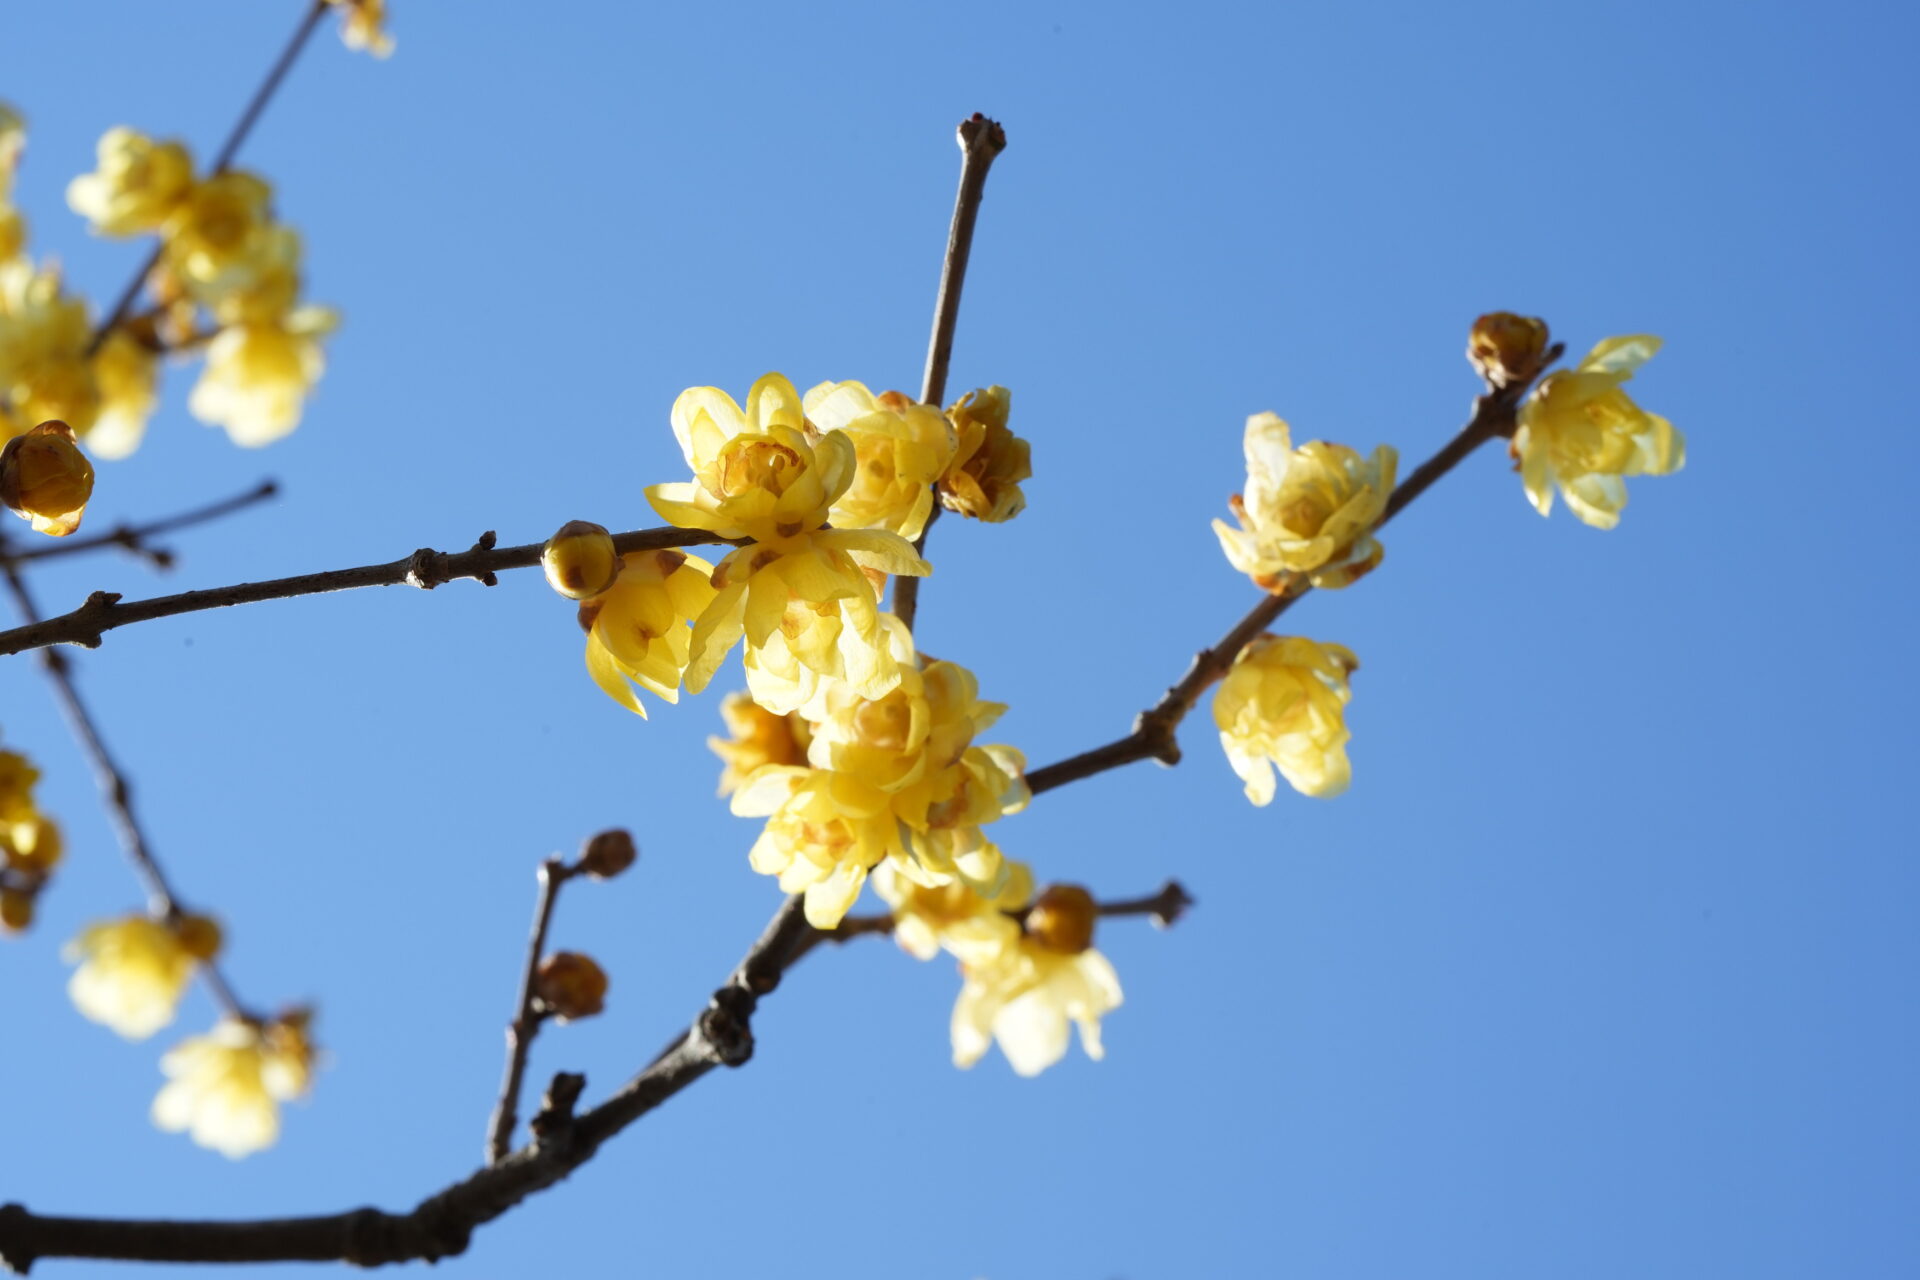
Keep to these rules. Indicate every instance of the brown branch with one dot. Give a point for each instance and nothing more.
(442, 1225)
(133, 538)
(528, 1018)
(981, 140)
(425, 568)
(162, 903)
(1155, 729)
(228, 149)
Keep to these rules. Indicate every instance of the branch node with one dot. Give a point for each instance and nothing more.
(1173, 903)
(1156, 730)
(426, 569)
(727, 1025)
(553, 1123)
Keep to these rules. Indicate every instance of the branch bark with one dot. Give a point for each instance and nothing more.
(133, 537)
(526, 1019)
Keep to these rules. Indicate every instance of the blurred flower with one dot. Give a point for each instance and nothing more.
(1028, 996)
(137, 186)
(32, 845)
(759, 737)
(16, 910)
(128, 375)
(13, 232)
(363, 26)
(983, 482)
(46, 479)
(609, 853)
(44, 334)
(225, 1087)
(132, 971)
(1284, 701)
(13, 141)
(570, 986)
(637, 628)
(257, 376)
(952, 917)
(580, 560)
(901, 449)
(1307, 510)
(1580, 431)
(17, 779)
(1506, 349)
(222, 235)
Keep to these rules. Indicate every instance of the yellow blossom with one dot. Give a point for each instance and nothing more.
(132, 972)
(1580, 431)
(901, 448)
(579, 560)
(220, 236)
(944, 815)
(46, 479)
(224, 1088)
(17, 780)
(44, 333)
(637, 628)
(13, 232)
(257, 376)
(1307, 510)
(1506, 349)
(363, 26)
(1029, 995)
(1284, 701)
(759, 737)
(127, 373)
(138, 185)
(952, 917)
(825, 831)
(983, 482)
(32, 845)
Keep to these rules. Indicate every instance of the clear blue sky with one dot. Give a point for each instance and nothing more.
(1604, 967)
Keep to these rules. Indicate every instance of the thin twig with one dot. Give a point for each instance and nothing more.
(1155, 729)
(527, 1017)
(162, 903)
(426, 568)
(133, 537)
(442, 1225)
(981, 140)
(228, 149)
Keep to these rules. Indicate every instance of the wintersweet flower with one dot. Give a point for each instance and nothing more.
(220, 235)
(32, 845)
(580, 560)
(258, 376)
(1580, 431)
(759, 737)
(1029, 995)
(901, 450)
(825, 831)
(953, 918)
(132, 972)
(137, 186)
(944, 815)
(1506, 349)
(46, 479)
(127, 373)
(44, 333)
(13, 232)
(637, 628)
(363, 26)
(1283, 703)
(1308, 510)
(18, 777)
(224, 1087)
(989, 462)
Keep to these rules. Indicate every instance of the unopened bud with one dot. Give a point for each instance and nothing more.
(1506, 349)
(580, 560)
(199, 936)
(607, 854)
(570, 985)
(33, 846)
(46, 479)
(1062, 919)
(16, 910)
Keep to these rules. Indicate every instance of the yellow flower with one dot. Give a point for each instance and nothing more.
(1581, 432)
(1307, 510)
(825, 831)
(31, 845)
(128, 376)
(132, 972)
(46, 479)
(944, 815)
(17, 780)
(1028, 995)
(137, 186)
(637, 628)
(983, 482)
(257, 376)
(225, 1087)
(221, 234)
(952, 917)
(1505, 349)
(43, 341)
(760, 737)
(363, 26)
(13, 232)
(901, 448)
(1284, 700)
(13, 141)
(579, 560)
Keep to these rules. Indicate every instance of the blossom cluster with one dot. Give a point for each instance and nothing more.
(30, 843)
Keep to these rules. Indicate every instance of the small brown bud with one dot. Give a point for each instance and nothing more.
(16, 910)
(570, 985)
(1062, 919)
(46, 479)
(607, 854)
(580, 560)
(199, 935)
(1505, 348)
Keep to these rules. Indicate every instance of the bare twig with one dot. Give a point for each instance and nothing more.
(1155, 729)
(162, 903)
(133, 537)
(981, 140)
(442, 1225)
(228, 149)
(527, 1017)
(426, 568)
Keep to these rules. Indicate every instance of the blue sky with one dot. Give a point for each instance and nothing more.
(1603, 967)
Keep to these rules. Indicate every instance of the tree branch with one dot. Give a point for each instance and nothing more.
(527, 1019)
(228, 149)
(981, 140)
(133, 538)
(1155, 729)
(425, 568)
(442, 1225)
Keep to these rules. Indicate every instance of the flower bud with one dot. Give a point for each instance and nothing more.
(1062, 919)
(569, 985)
(46, 479)
(199, 936)
(609, 853)
(32, 845)
(580, 560)
(16, 910)
(983, 481)
(1506, 349)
